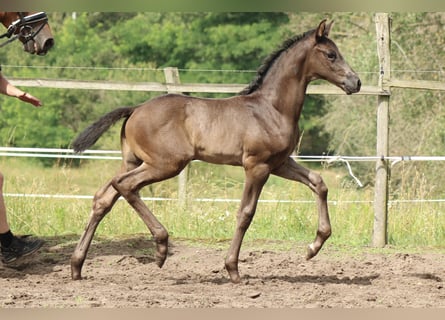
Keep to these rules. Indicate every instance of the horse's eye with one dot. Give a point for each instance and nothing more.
(331, 55)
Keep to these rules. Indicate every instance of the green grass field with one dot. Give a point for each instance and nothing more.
(411, 225)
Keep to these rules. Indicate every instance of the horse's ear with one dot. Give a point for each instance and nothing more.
(323, 29)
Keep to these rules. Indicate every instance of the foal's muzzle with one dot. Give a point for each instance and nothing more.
(352, 84)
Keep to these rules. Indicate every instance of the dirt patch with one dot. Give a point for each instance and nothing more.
(122, 273)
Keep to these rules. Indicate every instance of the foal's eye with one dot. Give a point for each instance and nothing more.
(331, 55)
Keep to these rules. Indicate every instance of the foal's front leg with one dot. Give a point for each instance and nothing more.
(255, 180)
(293, 171)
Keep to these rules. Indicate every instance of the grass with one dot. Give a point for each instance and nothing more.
(410, 225)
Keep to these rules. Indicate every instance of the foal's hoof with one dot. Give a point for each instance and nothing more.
(234, 277)
(161, 251)
(76, 269)
(160, 260)
(233, 273)
(76, 278)
(161, 255)
(311, 252)
(75, 274)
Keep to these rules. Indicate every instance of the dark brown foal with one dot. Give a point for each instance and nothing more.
(257, 129)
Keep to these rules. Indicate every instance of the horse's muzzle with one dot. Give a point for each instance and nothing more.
(49, 43)
(352, 84)
(40, 48)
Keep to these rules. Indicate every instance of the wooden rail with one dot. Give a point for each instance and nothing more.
(171, 87)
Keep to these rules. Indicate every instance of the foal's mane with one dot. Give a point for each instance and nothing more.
(256, 83)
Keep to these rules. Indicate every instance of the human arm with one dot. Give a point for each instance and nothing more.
(8, 89)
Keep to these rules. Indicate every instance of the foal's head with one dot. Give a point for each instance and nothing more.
(326, 62)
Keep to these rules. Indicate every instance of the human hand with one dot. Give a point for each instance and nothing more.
(26, 97)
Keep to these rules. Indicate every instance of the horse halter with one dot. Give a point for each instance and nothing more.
(23, 28)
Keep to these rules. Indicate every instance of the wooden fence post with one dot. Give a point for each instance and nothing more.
(172, 77)
(380, 237)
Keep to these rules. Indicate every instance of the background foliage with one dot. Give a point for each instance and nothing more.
(227, 48)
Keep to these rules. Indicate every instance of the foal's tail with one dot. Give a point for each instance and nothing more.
(91, 134)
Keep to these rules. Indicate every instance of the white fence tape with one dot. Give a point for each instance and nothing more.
(112, 155)
(331, 202)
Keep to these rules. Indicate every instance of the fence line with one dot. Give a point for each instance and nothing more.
(331, 202)
(58, 153)
(69, 153)
(180, 87)
(107, 155)
(5, 66)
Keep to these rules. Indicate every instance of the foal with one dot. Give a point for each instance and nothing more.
(257, 130)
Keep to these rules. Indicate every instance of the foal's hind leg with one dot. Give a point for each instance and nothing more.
(293, 171)
(128, 184)
(102, 204)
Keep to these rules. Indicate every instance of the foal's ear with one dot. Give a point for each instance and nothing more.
(323, 29)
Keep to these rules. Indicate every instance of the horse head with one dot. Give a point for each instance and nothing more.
(32, 30)
(327, 63)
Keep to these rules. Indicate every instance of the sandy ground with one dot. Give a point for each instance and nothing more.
(122, 273)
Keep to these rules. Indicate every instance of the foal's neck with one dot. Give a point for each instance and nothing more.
(285, 84)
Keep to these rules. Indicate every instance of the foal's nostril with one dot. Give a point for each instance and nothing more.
(359, 84)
